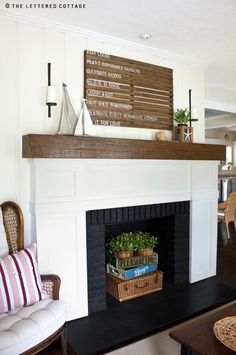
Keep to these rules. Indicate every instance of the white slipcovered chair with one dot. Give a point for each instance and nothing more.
(28, 329)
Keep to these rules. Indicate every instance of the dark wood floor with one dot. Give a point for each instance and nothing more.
(226, 274)
(226, 256)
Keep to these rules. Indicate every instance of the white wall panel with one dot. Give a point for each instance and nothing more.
(54, 43)
(201, 177)
(74, 76)
(31, 108)
(64, 254)
(8, 111)
(89, 180)
(203, 239)
(31, 80)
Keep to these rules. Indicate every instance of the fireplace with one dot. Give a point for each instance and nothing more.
(79, 201)
(168, 221)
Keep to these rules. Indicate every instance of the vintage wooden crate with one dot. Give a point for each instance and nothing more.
(124, 290)
(133, 261)
(131, 273)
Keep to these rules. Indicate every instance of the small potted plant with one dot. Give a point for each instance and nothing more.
(144, 243)
(182, 116)
(122, 245)
(229, 165)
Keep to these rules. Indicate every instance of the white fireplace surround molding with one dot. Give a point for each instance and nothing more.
(64, 189)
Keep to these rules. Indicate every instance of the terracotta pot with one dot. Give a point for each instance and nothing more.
(124, 254)
(144, 252)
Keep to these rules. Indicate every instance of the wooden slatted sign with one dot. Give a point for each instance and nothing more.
(126, 93)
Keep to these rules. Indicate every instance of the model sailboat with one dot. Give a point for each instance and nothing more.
(85, 124)
(68, 118)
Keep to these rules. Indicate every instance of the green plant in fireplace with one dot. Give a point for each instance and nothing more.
(145, 242)
(122, 245)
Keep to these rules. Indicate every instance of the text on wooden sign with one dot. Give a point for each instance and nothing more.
(126, 93)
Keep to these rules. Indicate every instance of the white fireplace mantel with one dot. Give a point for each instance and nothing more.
(64, 189)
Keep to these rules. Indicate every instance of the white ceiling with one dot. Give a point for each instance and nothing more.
(201, 29)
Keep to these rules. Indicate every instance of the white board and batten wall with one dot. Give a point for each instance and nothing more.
(27, 45)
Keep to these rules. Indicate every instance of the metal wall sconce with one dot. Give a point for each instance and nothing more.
(51, 92)
(193, 111)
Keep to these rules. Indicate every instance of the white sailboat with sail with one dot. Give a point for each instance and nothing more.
(85, 124)
(68, 118)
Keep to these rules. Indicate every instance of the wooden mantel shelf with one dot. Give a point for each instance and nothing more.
(84, 147)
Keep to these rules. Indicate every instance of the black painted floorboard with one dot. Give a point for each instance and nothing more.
(132, 320)
(123, 323)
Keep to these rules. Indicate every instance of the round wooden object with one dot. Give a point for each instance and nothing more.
(161, 136)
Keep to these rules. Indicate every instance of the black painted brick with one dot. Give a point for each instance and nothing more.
(137, 213)
(101, 217)
(177, 232)
(107, 216)
(94, 217)
(131, 213)
(113, 215)
(153, 211)
(125, 214)
(119, 216)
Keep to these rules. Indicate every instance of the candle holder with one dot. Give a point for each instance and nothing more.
(183, 134)
(51, 92)
(190, 108)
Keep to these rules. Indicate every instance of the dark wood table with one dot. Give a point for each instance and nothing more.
(197, 336)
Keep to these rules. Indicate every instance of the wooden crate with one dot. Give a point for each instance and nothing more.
(133, 261)
(124, 290)
(126, 274)
(183, 134)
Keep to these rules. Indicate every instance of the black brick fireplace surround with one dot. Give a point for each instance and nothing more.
(168, 221)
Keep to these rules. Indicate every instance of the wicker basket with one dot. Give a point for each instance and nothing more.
(225, 331)
(124, 290)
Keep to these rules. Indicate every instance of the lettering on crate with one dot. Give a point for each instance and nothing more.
(122, 92)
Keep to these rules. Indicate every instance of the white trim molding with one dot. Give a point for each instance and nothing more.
(220, 106)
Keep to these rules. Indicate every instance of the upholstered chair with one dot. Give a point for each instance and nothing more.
(29, 328)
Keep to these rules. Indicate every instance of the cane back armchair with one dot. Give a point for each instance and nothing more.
(14, 227)
(226, 212)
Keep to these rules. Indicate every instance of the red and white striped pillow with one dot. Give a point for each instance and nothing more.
(20, 283)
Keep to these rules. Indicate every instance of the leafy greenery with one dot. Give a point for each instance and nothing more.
(123, 241)
(182, 116)
(131, 241)
(145, 240)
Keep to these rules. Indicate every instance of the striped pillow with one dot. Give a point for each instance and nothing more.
(4, 250)
(20, 283)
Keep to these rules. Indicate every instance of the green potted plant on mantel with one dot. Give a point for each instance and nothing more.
(144, 243)
(229, 165)
(182, 116)
(122, 245)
